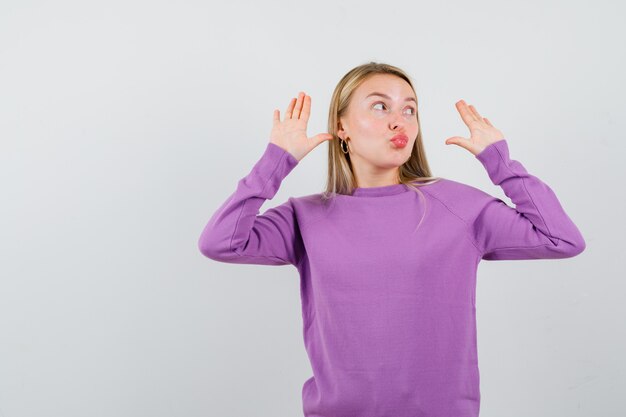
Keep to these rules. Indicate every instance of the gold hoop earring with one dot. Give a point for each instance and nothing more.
(342, 145)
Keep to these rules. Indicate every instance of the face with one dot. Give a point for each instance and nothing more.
(372, 120)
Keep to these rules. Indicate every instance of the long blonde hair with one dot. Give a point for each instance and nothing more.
(415, 172)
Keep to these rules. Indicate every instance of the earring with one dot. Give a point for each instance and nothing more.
(343, 145)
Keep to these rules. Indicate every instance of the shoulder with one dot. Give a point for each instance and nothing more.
(309, 200)
(463, 200)
(446, 188)
(309, 205)
(308, 208)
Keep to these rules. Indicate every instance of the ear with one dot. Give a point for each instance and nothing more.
(341, 133)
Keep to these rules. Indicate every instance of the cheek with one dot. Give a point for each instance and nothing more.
(364, 123)
(370, 126)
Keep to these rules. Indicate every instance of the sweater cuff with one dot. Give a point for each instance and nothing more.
(273, 166)
(495, 159)
(275, 152)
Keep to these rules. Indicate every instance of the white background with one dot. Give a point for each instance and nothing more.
(125, 124)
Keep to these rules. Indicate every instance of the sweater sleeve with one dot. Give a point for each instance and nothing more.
(537, 228)
(236, 233)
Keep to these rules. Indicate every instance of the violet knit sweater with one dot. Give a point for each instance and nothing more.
(388, 277)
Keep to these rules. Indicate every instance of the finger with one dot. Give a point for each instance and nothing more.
(465, 112)
(456, 140)
(475, 112)
(276, 116)
(290, 109)
(487, 121)
(298, 108)
(321, 137)
(306, 108)
(461, 142)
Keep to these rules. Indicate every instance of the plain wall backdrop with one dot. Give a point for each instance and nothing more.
(125, 124)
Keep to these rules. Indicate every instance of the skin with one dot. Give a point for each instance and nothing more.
(370, 123)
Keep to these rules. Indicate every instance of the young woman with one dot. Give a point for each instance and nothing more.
(388, 254)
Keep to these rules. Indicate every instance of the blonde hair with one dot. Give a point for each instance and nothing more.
(414, 173)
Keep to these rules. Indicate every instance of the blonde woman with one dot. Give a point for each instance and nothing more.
(387, 254)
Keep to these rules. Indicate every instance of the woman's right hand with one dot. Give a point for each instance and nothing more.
(290, 134)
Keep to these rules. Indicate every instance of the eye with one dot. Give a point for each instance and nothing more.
(380, 102)
(383, 104)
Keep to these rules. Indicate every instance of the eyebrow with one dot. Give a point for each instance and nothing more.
(389, 98)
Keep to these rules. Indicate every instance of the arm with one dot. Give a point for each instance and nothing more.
(536, 228)
(236, 233)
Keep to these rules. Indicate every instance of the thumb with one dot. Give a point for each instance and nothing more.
(321, 137)
(456, 140)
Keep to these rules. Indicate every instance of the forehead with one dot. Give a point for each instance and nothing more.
(391, 85)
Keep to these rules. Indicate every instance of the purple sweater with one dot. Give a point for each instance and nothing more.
(388, 277)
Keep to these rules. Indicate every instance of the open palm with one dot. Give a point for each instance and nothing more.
(290, 134)
(482, 132)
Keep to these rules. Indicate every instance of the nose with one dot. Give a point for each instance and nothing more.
(396, 120)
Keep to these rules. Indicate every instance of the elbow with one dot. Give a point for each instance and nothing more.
(572, 247)
(205, 247)
(212, 248)
(579, 246)
(577, 243)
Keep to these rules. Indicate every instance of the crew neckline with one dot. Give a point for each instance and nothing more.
(379, 191)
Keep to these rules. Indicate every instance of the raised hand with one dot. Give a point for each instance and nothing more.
(290, 134)
(482, 131)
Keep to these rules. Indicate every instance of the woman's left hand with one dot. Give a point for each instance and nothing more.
(482, 131)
